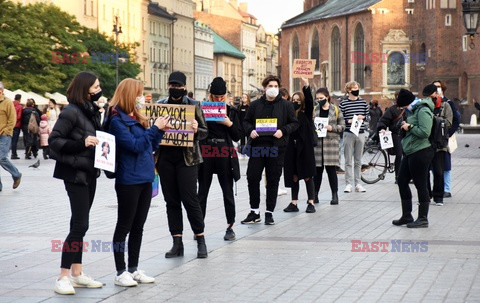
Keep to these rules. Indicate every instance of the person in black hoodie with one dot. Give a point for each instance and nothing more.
(30, 139)
(300, 153)
(72, 144)
(242, 111)
(269, 122)
(220, 157)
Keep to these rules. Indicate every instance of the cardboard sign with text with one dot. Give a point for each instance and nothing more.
(214, 111)
(181, 117)
(303, 68)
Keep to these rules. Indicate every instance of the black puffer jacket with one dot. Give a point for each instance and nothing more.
(67, 144)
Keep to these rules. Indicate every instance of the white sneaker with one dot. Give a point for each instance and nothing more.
(141, 277)
(360, 188)
(64, 287)
(125, 279)
(85, 281)
(348, 188)
(281, 192)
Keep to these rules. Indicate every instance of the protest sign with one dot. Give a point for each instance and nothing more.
(105, 151)
(303, 68)
(321, 126)
(181, 116)
(266, 127)
(386, 140)
(214, 111)
(355, 127)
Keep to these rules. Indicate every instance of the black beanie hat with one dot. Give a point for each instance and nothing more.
(218, 87)
(405, 97)
(429, 90)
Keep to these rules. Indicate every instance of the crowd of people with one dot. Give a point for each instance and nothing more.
(279, 133)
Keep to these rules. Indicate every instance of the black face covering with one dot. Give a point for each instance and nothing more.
(96, 96)
(355, 92)
(322, 102)
(177, 93)
(296, 105)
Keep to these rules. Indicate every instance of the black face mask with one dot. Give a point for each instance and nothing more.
(355, 92)
(176, 93)
(296, 105)
(96, 96)
(322, 102)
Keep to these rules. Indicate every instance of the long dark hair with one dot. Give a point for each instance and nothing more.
(77, 91)
(325, 92)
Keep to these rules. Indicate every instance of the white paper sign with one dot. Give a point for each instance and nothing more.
(386, 140)
(105, 151)
(355, 127)
(321, 126)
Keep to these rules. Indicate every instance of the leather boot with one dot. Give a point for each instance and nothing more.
(177, 248)
(202, 248)
(422, 220)
(406, 214)
(334, 200)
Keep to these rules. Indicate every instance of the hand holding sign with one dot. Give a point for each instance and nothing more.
(254, 134)
(195, 126)
(386, 140)
(163, 123)
(278, 134)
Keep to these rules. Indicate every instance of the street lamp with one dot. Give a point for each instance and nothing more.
(117, 29)
(471, 10)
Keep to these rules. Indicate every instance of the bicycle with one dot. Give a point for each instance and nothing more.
(375, 162)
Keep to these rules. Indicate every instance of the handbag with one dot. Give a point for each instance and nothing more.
(155, 184)
(32, 123)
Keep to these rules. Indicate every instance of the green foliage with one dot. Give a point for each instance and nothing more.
(31, 34)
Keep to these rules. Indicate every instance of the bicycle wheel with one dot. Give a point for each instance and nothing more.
(374, 164)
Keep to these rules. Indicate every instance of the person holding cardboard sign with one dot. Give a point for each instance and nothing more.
(178, 171)
(269, 122)
(220, 157)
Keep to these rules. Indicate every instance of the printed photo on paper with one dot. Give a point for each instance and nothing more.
(105, 151)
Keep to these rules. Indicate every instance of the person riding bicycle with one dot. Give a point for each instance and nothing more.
(392, 119)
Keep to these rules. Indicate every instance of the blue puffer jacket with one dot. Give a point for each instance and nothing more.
(135, 146)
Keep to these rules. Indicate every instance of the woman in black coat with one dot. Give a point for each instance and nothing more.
(242, 111)
(300, 154)
(72, 144)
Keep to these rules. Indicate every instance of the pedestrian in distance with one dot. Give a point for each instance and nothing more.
(220, 157)
(30, 138)
(18, 126)
(418, 154)
(299, 161)
(44, 131)
(178, 172)
(134, 143)
(242, 111)
(72, 144)
(8, 119)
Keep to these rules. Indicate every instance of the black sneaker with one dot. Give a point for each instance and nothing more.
(269, 219)
(251, 218)
(229, 235)
(339, 170)
(310, 208)
(291, 208)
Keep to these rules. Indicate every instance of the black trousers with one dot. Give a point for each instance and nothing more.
(437, 167)
(81, 200)
(220, 166)
(332, 178)
(179, 184)
(415, 167)
(16, 135)
(273, 170)
(310, 189)
(133, 206)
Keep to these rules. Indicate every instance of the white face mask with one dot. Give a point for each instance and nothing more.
(140, 102)
(271, 92)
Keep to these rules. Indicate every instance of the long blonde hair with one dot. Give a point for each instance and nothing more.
(125, 98)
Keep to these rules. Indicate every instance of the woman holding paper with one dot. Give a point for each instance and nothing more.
(134, 175)
(72, 144)
(326, 152)
(300, 156)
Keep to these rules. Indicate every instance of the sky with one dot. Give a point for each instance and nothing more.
(272, 13)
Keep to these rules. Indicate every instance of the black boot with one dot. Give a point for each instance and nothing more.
(334, 198)
(406, 214)
(202, 248)
(177, 248)
(422, 220)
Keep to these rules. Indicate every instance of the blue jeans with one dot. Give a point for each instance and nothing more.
(5, 142)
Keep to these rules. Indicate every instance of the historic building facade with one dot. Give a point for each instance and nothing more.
(203, 59)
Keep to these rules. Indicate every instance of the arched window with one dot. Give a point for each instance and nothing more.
(315, 49)
(358, 46)
(336, 57)
(396, 69)
(295, 55)
(422, 57)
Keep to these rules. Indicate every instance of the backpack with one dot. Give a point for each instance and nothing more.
(32, 123)
(439, 134)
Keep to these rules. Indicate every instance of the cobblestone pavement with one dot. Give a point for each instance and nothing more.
(303, 258)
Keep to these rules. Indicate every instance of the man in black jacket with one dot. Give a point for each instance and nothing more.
(268, 123)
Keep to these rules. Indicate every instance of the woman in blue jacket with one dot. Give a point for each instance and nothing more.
(134, 175)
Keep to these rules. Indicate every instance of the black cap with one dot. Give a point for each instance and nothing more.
(218, 86)
(429, 90)
(178, 78)
(405, 97)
